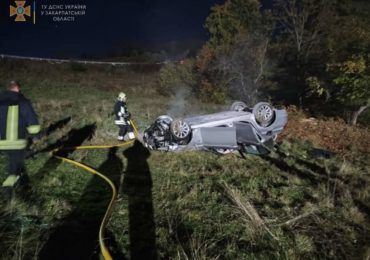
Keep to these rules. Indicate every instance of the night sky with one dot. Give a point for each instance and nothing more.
(108, 27)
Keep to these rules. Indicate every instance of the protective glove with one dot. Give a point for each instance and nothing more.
(37, 137)
(128, 116)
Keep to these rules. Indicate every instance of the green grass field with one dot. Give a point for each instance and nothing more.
(191, 205)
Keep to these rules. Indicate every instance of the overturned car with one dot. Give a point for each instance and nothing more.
(243, 129)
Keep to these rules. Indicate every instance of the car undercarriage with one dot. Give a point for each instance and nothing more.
(243, 129)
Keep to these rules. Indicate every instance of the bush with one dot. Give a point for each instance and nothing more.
(172, 76)
(187, 74)
(211, 93)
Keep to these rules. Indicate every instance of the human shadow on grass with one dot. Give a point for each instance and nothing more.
(66, 145)
(77, 236)
(56, 126)
(137, 185)
(46, 132)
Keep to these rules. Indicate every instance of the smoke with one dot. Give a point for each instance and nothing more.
(185, 104)
(178, 106)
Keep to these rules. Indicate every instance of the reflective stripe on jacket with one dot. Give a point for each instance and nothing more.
(17, 120)
(121, 113)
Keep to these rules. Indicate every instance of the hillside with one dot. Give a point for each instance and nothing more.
(301, 201)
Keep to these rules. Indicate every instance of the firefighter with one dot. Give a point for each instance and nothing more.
(123, 118)
(18, 120)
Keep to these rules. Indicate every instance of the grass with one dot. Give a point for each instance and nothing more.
(192, 205)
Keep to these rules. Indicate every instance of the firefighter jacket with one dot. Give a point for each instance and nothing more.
(122, 116)
(17, 121)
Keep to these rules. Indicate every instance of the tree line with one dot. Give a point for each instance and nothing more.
(310, 53)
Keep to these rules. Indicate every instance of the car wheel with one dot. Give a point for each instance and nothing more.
(263, 113)
(238, 106)
(180, 130)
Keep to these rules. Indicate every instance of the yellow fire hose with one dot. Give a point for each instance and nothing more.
(103, 248)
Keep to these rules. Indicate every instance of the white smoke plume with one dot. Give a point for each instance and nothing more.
(178, 106)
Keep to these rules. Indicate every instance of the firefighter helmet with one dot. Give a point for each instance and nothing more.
(122, 97)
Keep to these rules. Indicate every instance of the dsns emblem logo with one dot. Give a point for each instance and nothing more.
(20, 11)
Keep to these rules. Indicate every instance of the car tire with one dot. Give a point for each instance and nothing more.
(180, 130)
(264, 114)
(238, 106)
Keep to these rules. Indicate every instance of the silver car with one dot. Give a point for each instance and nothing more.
(243, 129)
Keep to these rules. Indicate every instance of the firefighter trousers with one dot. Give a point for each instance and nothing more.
(123, 129)
(15, 161)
